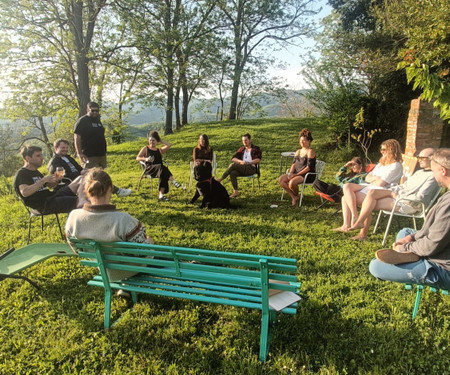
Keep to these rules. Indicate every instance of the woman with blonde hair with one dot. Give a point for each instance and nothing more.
(304, 162)
(388, 171)
(101, 221)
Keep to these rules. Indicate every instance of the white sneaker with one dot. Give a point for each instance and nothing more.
(124, 192)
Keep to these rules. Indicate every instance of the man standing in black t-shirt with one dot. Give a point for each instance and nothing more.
(33, 187)
(90, 142)
(89, 138)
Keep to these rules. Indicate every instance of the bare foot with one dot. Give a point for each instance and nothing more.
(356, 226)
(234, 195)
(295, 201)
(359, 238)
(341, 229)
(219, 179)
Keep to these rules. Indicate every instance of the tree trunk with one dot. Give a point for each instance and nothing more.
(177, 108)
(184, 112)
(169, 105)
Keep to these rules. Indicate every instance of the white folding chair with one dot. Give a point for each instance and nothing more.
(143, 166)
(191, 166)
(320, 165)
(253, 177)
(421, 214)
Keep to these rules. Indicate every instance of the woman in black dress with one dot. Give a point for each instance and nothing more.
(152, 156)
(203, 151)
(304, 162)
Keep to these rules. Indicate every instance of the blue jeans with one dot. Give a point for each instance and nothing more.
(420, 272)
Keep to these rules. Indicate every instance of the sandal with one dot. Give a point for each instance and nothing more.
(176, 184)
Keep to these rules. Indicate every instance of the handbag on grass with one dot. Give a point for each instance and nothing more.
(391, 256)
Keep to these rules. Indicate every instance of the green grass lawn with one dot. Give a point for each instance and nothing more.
(347, 321)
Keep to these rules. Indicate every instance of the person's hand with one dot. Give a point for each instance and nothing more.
(349, 164)
(150, 159)
(84, 171)
(149, 240)
(83, 158)
(396, 245)
(51, 180)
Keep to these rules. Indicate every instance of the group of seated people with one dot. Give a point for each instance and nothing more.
(86, 195)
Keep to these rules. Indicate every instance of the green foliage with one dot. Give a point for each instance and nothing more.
(424, 27)
(347, 322)
(363, 136)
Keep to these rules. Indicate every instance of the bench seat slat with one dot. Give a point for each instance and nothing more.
(149, 289)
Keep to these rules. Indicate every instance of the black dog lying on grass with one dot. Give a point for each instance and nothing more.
(214, 194)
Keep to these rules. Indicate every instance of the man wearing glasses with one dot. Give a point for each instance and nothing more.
(421, 186)
(423, 256)
(90, 142)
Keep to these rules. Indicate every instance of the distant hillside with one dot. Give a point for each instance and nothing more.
(204, 110)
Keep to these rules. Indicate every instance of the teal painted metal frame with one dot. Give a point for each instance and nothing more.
(229, 278)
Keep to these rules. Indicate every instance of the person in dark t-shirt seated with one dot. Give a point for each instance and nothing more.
(34, 188)
(62, 159)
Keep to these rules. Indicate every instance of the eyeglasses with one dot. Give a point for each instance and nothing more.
(382, 149)
(423, 157)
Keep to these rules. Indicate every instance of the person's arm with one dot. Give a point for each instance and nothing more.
(27, 190)
(77, 143)
(166, 146)
(375, 180)
(142, 155)
(434, 237)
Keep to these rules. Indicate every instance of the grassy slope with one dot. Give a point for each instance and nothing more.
(348, 322)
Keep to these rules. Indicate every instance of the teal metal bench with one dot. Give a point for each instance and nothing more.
(419, 288)
(243, 280)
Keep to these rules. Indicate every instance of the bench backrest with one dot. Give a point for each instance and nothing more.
(198, 265)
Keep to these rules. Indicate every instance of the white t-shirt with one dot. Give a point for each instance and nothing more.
(390, 173)
(247, 156)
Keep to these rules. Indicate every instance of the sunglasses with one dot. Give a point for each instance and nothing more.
(423, 157)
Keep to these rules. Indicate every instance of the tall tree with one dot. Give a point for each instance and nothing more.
(358, 62)
(51, 40)
(424, 26)
(253, 23)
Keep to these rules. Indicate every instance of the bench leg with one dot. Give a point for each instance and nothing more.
(417, 301)
(107, 309)
(267, 326)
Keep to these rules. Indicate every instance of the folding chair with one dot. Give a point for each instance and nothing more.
(253, 177)
(35, 213)
(419, 215)
(325, 198)
(191, 166)
(320, 165)
(14, 261)
(144, 169)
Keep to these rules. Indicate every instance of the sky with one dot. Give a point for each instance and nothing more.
(292, 55)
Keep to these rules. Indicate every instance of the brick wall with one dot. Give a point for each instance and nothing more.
(424, 127)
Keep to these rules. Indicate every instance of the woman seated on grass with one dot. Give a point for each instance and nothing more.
(203, 151)
(354, 171)
(388, 171)
(304, 162)
(101, 221)
(152, 156)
